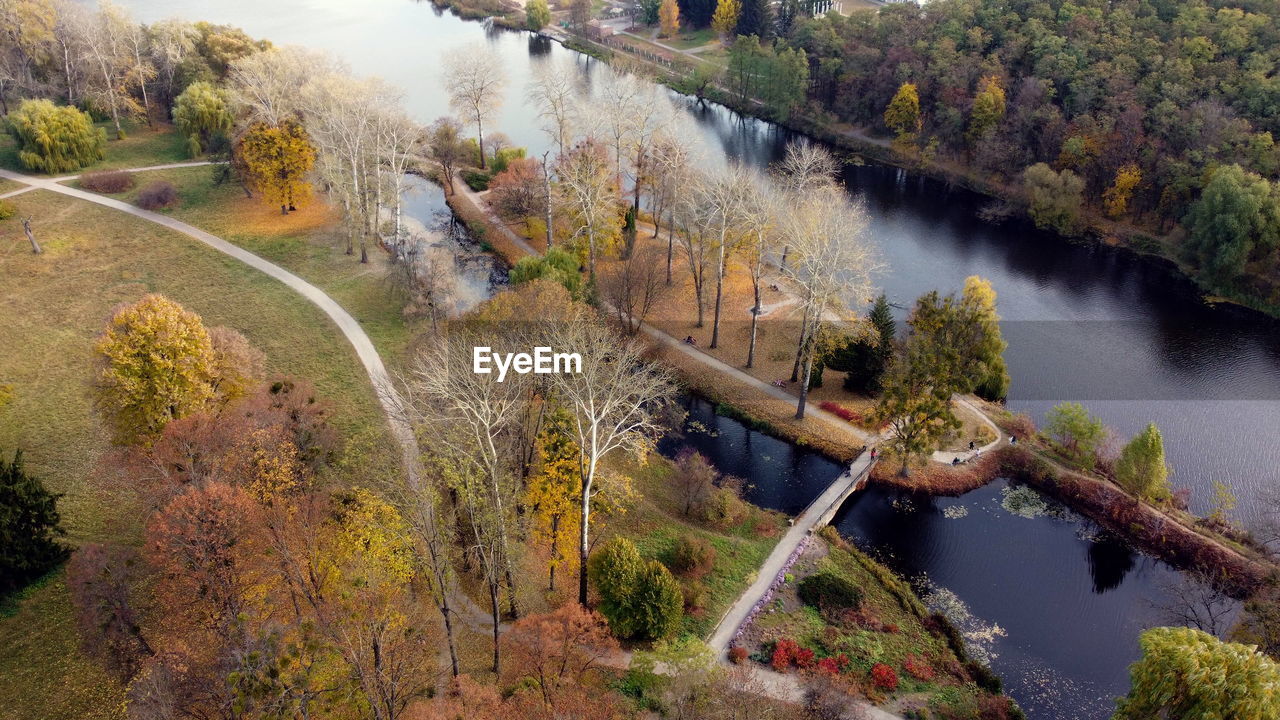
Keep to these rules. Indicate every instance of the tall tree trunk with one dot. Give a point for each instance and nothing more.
(715, 320)
(804, 333)
(583, 547)
(546, 188)
(671, 244)
(555, 536)
(804, 386)
(497, 618)
(755, 319)
(480, 141)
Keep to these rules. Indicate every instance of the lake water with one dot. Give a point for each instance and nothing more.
(1127, 337)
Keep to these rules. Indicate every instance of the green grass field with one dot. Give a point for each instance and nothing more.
(53, 306)
(306, 242)
(656, 522)
(141, 147)
(689, 39)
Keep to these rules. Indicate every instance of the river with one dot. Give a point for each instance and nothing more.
(1126, 336)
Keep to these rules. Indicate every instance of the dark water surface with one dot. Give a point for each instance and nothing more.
(1123, 335)
(1051, 602)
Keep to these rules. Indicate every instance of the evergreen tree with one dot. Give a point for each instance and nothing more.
(756, 18)
(29, 527)
(697, 12)
(862, 359)
(788, 12)
(641, 600)
(1141, 468)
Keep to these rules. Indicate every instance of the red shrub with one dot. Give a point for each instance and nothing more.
(841, 412)
(834, 665)
(884, 677)
(804, 658)
(737, 654)
(891, 628)
(919, 669)
(784, 651)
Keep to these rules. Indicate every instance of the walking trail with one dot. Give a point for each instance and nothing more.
(679, 346)
(778, 686)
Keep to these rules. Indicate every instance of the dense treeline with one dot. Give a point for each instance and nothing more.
(1130, 106)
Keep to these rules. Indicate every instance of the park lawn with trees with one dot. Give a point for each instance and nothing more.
(307, 242)
(655, 523)
(142, 146)
(94, 259)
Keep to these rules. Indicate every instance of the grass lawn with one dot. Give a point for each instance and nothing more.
(306, 242)
(656, 522)
(690, 39)
(53, 306)
(141, 147)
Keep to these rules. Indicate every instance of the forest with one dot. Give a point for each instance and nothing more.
(1156, 114)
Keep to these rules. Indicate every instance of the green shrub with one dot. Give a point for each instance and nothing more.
(55, 139)
(477, 180)
(7, 210)
(692, 557)
(829, 591)
(557, 264)
(640, 600)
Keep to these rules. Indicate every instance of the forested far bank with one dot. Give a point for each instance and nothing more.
(1149, 123)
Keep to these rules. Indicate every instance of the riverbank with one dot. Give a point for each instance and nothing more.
(682, 76)
(843, 618)
(1177, 537)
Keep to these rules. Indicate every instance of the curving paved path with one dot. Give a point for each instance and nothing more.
(369, 358)
(946, 456)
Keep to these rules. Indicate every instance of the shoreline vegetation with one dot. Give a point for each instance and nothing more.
(687, 77)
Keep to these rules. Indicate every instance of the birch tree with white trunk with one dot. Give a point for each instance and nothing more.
(616, 402)
(554, 93)
(832, 268)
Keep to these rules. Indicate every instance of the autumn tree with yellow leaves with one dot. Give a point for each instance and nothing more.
(276, 160)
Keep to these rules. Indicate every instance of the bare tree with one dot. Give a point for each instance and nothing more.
(697, 237)
(445, 146)
(805, 169)
(632, 287)
(172, 41)
(267, 84)
(758, 217)
(137, 46)
(1193, 599)
(615, 402)
(723, 196)
(102, 40)
(671, 164)
(833, 267)
(472, 419)
(554, 93)
(474, 79)
(588, 191)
